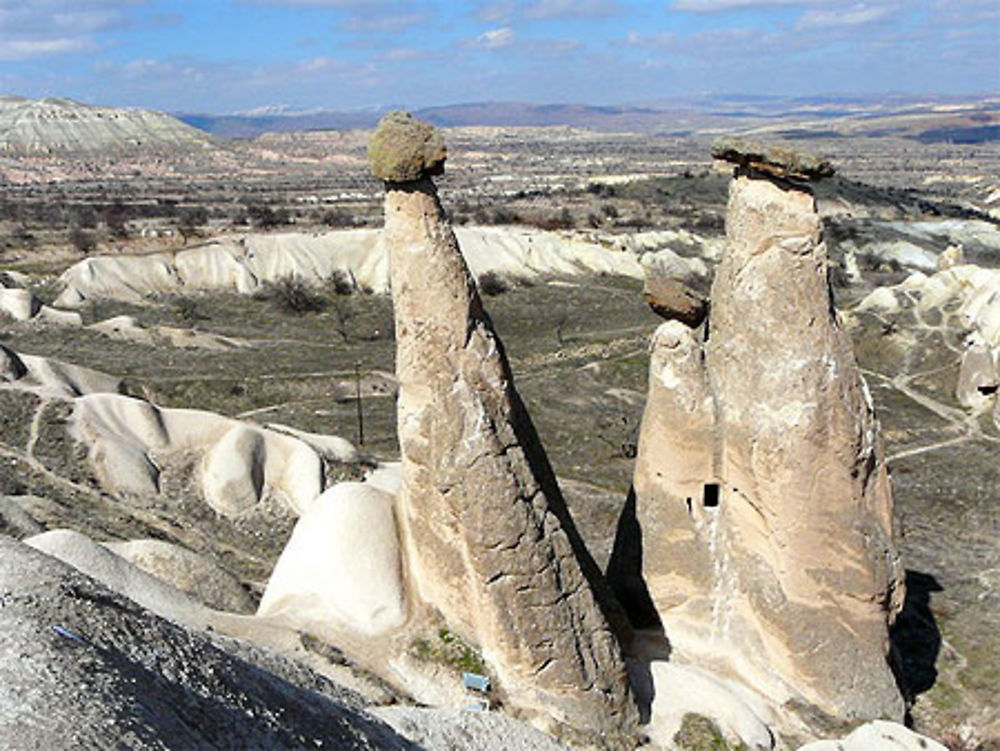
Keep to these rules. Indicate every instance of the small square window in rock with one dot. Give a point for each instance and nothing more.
(710, 495)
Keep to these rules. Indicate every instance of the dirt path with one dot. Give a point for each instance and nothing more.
(966, 424)
(34, 430)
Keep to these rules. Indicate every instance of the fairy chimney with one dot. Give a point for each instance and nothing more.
(761, 485)
(487, 537)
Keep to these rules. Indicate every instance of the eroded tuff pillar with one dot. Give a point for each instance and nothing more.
(488, 541)
(761, 484)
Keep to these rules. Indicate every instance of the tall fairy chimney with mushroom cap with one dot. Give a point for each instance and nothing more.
(760, 487)
(488, 541)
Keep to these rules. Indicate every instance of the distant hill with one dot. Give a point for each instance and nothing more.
(487, 114)
(941, 118)
(251, 125)
(517, 114)
(63, 127)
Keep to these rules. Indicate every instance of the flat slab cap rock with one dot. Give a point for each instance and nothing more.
(403, 149)
(776, 161)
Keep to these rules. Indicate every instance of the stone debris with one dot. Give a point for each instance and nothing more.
(487, 539)
(775, 161)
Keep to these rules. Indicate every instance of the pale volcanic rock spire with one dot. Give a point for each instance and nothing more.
(487, 538)
(761, 485)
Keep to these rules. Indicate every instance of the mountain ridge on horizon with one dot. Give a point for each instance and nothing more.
(680, 116)
(58, 125)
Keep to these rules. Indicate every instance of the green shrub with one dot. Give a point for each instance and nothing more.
(293, 294)
(188, 310)
(492, 284)
(699, 733)
(82, 240)
(450, 650)
(340, 282)
(338, 218)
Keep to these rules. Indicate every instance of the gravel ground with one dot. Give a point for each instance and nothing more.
(461, 730)
(83, 668)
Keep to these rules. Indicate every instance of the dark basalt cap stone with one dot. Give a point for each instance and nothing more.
(776, 161)
(403, 149)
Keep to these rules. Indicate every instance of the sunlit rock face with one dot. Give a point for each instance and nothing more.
(486, 537)
(761, 486)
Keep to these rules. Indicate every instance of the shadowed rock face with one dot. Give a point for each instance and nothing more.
(761, 486)
(486, 535)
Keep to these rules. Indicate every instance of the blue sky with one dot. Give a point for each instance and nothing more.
(232, 55)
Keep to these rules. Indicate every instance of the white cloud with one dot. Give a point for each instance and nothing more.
(498, 11)
(507, 11)
(383, 23)
(546, 9)
(25, 49)
(494, 39)
(52, 16)
(663, 39)
(966, 13)
(398, 54)
(826, 11)
(856, 15)
(654, 64)
(315, 64)
(715, 6)
(318, 3)
(47, 28)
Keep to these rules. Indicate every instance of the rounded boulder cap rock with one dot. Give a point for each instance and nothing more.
(403, 149)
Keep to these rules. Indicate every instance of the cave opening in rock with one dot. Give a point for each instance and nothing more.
(988, 389)
(710, 496)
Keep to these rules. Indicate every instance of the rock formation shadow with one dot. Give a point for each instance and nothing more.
(624, 577)
(615, 612)
(915, 637)
(624, 572)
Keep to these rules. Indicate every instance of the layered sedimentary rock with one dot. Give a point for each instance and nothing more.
(487, 540)
(44, 127)
(761, 487)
